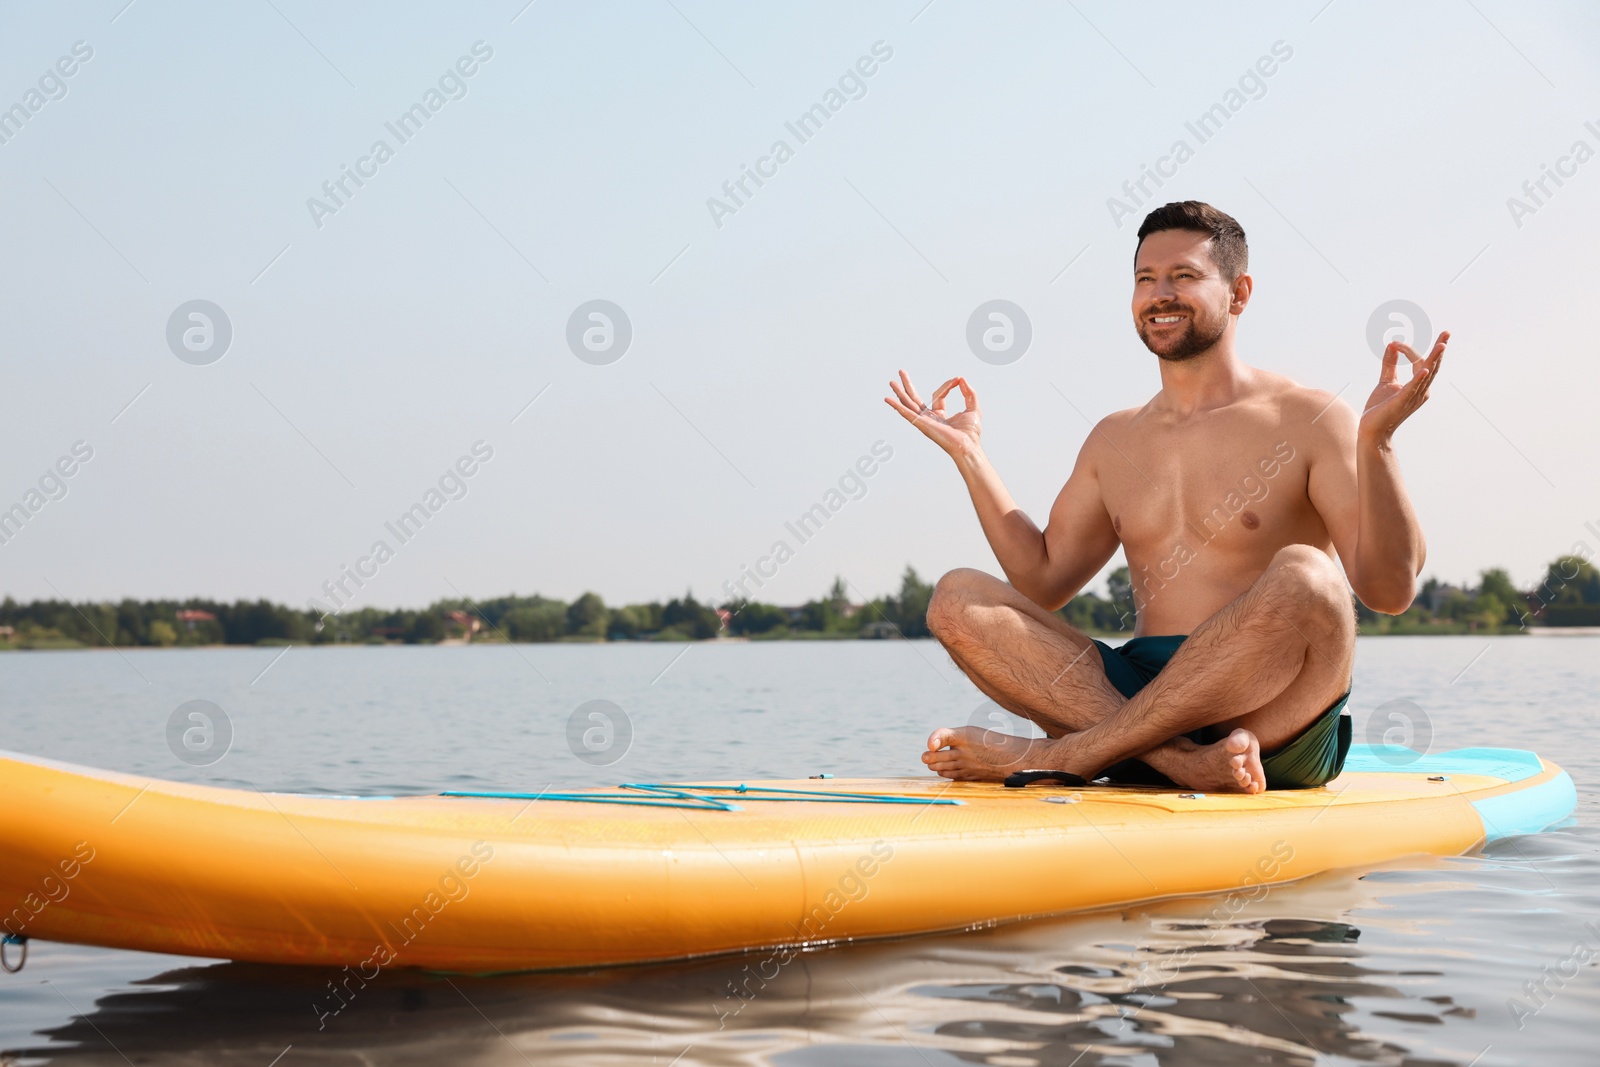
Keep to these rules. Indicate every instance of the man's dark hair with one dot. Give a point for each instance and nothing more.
(1228, 246)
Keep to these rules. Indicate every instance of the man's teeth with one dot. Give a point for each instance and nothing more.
(1167, 318)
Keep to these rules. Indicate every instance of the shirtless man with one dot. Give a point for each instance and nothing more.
(1230, 491)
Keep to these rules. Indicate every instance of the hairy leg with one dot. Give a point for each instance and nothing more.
(1035, 665)
(1269, 663)
(1028, 660)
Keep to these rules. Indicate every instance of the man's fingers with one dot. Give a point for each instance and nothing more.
(1415, 392)
(905, 412)
(937, 403)
(907, 397)
(910, 413)
(911, 390)
(1436, 357)
(1410, 352)
(968, 396)
(1391, 363)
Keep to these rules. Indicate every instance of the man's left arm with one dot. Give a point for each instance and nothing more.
(1357, 488)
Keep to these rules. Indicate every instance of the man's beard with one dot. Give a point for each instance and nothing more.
(1196, 338)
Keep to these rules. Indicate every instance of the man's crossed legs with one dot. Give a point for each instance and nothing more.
(1266, 667)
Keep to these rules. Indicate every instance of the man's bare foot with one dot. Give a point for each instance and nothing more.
(973, 754)
(1232, 765)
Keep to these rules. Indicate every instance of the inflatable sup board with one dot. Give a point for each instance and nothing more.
(506, 881)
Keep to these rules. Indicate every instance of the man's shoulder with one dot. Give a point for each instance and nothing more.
(1121, 419)
(1304, 405)
(1114, 427)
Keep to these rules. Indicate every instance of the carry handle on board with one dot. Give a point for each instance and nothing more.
(1023, 778)
(13, 939)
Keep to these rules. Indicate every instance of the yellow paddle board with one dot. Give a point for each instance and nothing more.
(501, 882)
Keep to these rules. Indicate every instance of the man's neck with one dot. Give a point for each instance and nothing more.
(1215, 378)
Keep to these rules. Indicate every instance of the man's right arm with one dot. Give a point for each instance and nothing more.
(1049, 567)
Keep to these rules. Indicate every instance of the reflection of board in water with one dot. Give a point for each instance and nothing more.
(510, 881)
(1161, 975)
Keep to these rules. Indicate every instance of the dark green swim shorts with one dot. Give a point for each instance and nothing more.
(1309, 760)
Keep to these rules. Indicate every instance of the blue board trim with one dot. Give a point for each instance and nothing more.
(1510, 764)
(1524, 811)
(1527, 811)
(651, 795)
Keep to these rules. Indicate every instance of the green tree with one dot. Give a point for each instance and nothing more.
(624, 624)
(1489, 611)
(690, 618)
(587, 616)
(536, 619)
(1569, 580)
(1455, 606)
(748, 617)
(911, 606)
(1495, 589)
(424, 628)
(1089, 612)
(1120, 585)
(649, 616)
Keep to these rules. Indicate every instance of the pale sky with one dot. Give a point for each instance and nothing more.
(376, 339)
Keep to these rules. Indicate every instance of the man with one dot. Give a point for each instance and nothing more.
(1230, 492)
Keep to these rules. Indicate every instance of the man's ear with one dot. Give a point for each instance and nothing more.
(1242, 288)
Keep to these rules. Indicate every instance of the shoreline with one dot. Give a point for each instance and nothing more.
(1540, 631)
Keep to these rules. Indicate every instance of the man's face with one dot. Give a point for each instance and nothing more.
(1181, 303)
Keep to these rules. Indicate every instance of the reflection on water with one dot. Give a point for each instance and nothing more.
(1414, 964)
(1162, 985)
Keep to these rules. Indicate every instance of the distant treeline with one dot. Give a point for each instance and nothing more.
(1569, 595)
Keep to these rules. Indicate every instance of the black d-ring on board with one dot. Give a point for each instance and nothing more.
(22, 960)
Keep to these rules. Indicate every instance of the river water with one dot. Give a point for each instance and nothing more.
(1423, 961)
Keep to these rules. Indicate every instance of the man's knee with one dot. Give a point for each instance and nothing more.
(1306, 579)
(954, 597)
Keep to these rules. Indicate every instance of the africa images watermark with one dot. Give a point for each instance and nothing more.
(452, 85)
(52, 86)
(1538, 191)
(453, 886)
(52, 486)
(452, 485)
(1545, 594)
(599, 732)
(852, 485)
(199, 733)
(54, 888)
(807, 125)
(1252, 85)
(850, 887)
(1539, 991)
(1253, 887)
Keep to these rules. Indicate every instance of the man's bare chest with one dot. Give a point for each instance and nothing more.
(1241, 486)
